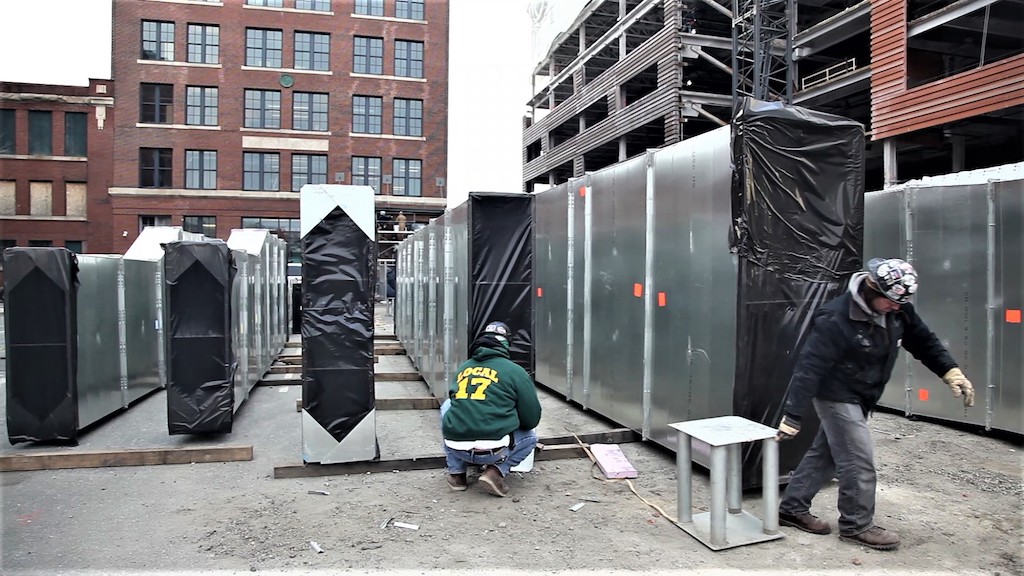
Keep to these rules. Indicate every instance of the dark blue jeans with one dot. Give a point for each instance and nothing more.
(842, 449)
(523, 442)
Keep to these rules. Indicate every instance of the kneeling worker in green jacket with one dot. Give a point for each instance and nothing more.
(489, 417)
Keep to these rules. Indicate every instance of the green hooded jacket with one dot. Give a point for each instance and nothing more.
(491, 396)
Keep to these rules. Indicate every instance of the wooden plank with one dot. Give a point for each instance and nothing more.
(406, 404)
(612, 462)
(279, 379)
(397, 376)
(285, 369)
(389, 350)
(552, 449)
(128, 457)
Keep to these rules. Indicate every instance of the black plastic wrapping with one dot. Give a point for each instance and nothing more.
(798, 212)
(501, 268)
(338, 279)
(200, 369)
(40, 316)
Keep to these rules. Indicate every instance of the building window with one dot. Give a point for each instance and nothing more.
(154, 167)
(369, 55)
(40, 132)
(267, 3)
(76, 246)
(286, 229)
(410, 9)
(5, 244)
(8, 197)
(201, 169)
(318, 5)
(156, 103)
(205, 225)
(75, 198)
(157, 40)
(147, 221)
(408, 59)
(201, 105)
(407, 179)
(309, 111)
(75, 133)
(312, 51)
(204, 43)
(308, 169)
(40, 243)
(263, 48)
(262, 109)
(7, 131)
(370, 7)
(40, 201)
(408, 117)
(366, 172)
(261, 171)
(366, 114)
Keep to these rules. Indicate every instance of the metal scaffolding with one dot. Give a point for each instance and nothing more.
(762, 49)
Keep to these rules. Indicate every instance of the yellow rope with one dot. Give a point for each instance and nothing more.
(593, 463)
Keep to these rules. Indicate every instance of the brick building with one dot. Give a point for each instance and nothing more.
(55, 165)
(225, 109)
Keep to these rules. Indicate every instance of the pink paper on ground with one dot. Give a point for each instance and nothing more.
(612, 461)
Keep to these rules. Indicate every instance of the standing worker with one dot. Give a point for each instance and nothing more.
(842, 370)
(489, 416)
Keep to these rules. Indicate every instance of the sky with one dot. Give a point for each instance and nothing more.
(489, 75)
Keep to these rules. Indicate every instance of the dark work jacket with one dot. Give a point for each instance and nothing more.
(849, 358)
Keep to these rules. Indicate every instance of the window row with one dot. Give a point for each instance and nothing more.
(262, 109)
(262, 171)
(44, 199)
(40, 133)
(264, 48)
(408, 9)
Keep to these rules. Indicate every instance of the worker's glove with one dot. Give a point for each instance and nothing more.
(787, 429)
(959, 384)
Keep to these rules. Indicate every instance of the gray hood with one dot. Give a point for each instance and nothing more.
(854, 287)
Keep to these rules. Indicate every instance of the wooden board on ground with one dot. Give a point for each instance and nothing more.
(388, 350)
(285, 369)
(128, 457)
(428, 403)
(279, 379)
(396, 376)
(552, 450)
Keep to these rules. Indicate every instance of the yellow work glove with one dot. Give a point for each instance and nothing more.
(959, 384)
(787, 429)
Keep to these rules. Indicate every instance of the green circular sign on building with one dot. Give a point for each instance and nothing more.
(287, 80)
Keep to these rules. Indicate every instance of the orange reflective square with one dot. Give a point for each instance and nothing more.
(922, 394)
(540, 292)
(1013, 316)
(662, 299)
(583, 190)
(638, 290)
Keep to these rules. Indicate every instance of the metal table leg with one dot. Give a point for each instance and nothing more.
(684, 480)
(718, 489)
(770, 485)
(734, 484)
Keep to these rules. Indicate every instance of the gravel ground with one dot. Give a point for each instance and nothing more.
(955, 497)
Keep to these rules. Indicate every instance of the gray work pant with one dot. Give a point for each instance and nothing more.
(842, 449)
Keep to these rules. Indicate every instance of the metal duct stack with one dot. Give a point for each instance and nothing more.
(339, 247)
(964, 233)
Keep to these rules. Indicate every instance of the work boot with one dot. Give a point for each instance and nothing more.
(491, 478)
(457, 482)
(877, 537)
(805, 521)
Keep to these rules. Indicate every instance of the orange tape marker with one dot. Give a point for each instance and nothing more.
(922, 394)
(1013, 316)
(638, 290)
(540, 292)
(661, 299)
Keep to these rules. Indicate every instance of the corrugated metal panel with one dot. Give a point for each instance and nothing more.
(898, 110)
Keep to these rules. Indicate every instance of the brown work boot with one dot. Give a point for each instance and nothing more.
(491, 478)
(876, 537)
(805, 521)
(457, 482)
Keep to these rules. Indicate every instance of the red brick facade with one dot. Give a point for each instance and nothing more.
(229, 138)
(19, 169)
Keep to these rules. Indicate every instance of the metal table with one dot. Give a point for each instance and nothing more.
(727, 525)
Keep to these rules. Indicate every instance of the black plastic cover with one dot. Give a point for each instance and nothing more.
(798, 212)
(41, 326)
(200, 370)
(338, 280)
(501, 268)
